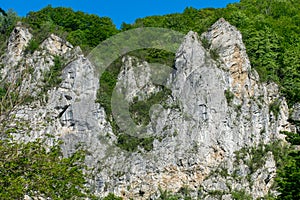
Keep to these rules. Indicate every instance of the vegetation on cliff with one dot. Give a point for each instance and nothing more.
(271, 32)
(32, 169)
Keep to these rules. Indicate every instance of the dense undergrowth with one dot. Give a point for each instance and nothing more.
(32, 169)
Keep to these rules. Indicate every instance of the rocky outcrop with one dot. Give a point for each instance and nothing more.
(216, 108)
(17, 43)
(56, 46)
(69, 107)
(135, 79)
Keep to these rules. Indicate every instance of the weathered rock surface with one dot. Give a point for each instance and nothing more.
(17, 43)
(217, 107)
(135, 79)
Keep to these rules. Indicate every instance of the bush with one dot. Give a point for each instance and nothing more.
(229, 96)
(52, 78)
(29, 168)
(274, 108)
(31, 47)
(131, 143)
(86, 30)
(241, 195)
(214, 54)
(139, 110)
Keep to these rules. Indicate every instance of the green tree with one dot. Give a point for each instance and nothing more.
(288, 175)
(32, 169)
(264, 49)
(8, 21)
(290, 73)
(86, 30)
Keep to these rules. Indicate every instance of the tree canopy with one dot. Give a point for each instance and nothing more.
(270, 29)
(32, 169)
(79, 28)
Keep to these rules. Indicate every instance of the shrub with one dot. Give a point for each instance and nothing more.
(214, 54)
(131, 143)
(31, 47)
(52, 78)
(241, 195)
(229, 96)
(139, 110)
(274, 107)
(29, 168)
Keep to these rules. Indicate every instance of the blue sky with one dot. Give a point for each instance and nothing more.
(119, 10)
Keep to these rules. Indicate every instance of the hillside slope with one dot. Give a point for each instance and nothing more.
(215, 108)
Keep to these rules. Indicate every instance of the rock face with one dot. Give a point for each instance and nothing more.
(17, 42)
(135, 79)
(217, 107)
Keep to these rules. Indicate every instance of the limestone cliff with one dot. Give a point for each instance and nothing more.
(217, 107)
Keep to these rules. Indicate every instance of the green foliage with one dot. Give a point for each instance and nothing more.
(185, 193)
(270, 32)
(85, 30)
(111, 196)
(288, 172)
(214, 54)
(108, 82)
(7, 23)
(216, 193)
(205, 43)
(139, 110)
(152, 55)
(288, 177)
(52, 78)
(264, 48)
(287, 163)
(167, 195)
(10, 97)
(229, 96)
(274, 108)
(190, 19)
(31, 168)
(241, 195)
(31, 47)
(290, 72)
(131, 143)
(293, 138)
(2, 93)
(254, 157)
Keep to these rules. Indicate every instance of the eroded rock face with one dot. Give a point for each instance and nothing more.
(56, 46)
(135, 79)
(226, 41)
(17, 43)
(217, 107)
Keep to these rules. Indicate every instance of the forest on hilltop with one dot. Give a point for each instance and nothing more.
(271, 33)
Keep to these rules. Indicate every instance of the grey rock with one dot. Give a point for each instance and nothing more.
(295, 117)
(56, 46)
(134, 79)
(17, 43)
(217, 107)
(296, 112)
